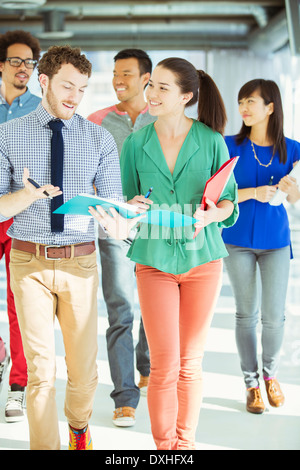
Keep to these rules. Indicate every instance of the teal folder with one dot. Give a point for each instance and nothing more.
(79, 205)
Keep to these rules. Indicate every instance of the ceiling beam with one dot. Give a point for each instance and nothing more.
(163, 9)
(197, 24)
(271, 38)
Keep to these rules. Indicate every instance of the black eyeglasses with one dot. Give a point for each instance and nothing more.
(17, 61)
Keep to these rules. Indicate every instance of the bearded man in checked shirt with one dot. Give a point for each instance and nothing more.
(60, 280)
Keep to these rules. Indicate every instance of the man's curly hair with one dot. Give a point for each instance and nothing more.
(18, 37)
(56, 56)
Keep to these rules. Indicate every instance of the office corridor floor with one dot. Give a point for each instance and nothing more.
(224, 423)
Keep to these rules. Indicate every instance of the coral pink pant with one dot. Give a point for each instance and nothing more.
(177, 311)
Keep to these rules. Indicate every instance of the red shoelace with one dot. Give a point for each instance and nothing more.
(80, 439)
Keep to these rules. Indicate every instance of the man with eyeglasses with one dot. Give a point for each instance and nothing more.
(19, 54)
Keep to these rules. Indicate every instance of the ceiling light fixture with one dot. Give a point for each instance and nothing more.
(54, 26)
(21, 4)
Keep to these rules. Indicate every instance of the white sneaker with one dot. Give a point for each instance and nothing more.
(14, 409)
(124, 416)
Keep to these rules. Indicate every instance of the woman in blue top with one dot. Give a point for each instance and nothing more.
(261, 236)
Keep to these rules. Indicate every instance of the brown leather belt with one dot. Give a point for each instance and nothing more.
(54, 252)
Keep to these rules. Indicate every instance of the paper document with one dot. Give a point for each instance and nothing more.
(280, 196)
(216, 185)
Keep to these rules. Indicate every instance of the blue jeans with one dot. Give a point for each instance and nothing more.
(252, 294)
(118, 293)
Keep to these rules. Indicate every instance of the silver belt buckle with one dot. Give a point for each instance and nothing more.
(46, 252)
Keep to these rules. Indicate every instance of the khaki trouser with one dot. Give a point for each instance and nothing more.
(66, 288)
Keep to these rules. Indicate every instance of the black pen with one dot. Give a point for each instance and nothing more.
(38, 186)
(271, 181)
(148, 192)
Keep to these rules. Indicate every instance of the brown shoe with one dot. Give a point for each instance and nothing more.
(124, 416)
(254, 401)
(143, 385)
(275, 395)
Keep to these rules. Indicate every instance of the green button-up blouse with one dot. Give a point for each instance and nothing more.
(143, 165)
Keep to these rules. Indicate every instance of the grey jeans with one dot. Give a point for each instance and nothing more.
(118, 293)
(261, 290)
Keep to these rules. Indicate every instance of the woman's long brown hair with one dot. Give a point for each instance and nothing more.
(270, 93)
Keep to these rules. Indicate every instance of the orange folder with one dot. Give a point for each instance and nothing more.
(216, 184)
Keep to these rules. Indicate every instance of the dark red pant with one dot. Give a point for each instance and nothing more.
(18, 373)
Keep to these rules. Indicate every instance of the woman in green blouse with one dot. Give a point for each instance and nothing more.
(178, 277)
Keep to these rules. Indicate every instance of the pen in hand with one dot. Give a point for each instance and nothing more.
(36, 185)
(148, 192)
(271, 181)
(139, 201)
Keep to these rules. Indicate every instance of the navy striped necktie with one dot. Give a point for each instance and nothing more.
(57, 168)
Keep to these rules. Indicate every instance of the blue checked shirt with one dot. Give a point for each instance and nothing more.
(90, 160)
(20, 106)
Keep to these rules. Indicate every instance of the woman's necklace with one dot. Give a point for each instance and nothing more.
(256, 158)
